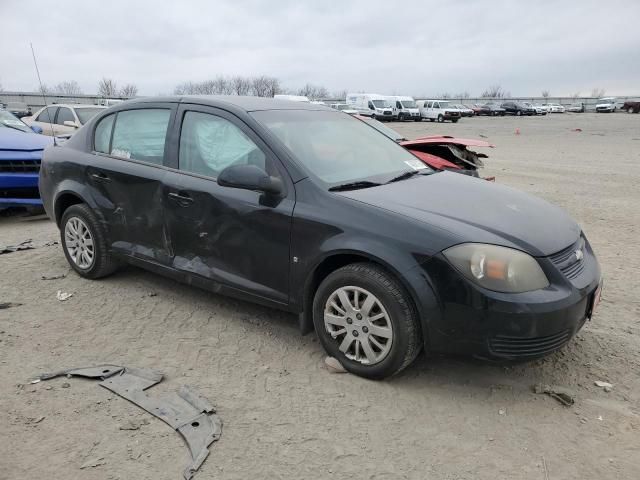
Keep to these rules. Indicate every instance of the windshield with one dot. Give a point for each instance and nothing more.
(380, 103)
(86, 114)
(408, 104)
(7, 120)
(337, 148)
(445, 104)
(383, 129)
(343, 106)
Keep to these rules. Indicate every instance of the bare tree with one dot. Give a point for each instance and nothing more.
(259, 86)
(129, 90)
(240, 85)
(575, 95)
(70, 87)
(598, 92)
(43, 89)
(545, 94)
(273, 86)
(444, 95)
(340, 95)
(495, 91)
(107, 88)
(313, 92)
(463, 95)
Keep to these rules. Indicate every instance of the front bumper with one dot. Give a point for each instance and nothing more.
(19, 189)
(524, 326)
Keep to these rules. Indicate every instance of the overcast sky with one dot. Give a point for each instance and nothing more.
(391, 47)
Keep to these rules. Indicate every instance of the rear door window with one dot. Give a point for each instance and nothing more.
(140, 134)
(209, 144)
(65, 115)
(48, 115)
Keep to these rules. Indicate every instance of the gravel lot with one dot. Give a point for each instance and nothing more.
(285, 416)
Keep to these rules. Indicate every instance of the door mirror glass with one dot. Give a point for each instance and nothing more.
(249, 177)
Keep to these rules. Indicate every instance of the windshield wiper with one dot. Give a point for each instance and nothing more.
(14, 127)
(354, 186)
(408, 174)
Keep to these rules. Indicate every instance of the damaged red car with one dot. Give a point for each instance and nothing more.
(440, 152)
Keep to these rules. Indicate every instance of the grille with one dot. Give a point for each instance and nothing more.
(567, 261)
(528, 347)
(387, 112)
(19, 166)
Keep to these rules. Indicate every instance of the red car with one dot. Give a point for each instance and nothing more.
(440, 152)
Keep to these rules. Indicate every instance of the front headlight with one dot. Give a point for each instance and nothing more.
(497, 268)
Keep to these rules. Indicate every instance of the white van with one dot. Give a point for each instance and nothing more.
(292, 98)
(405, 108)
(439, 110)
(371, 105)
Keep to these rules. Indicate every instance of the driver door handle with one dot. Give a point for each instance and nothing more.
(182, 199)
(100, 177)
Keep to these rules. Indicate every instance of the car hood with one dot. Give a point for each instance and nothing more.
(473, 210)
(446, 139)
(11, 139)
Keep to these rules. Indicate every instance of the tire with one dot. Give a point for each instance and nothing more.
(373, 116)
(454, 120)
(629, 110)
(102, 263)
(393, 302)
(419, 119)
(518, 113)
(440, 118)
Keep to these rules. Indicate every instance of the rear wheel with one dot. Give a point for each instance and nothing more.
(455, 120)
(518, 113)
(84, 243)
(630, 110)
(366, 320)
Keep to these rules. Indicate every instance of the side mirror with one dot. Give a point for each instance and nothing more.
(36, 128)
(69, 123)
(249, 177)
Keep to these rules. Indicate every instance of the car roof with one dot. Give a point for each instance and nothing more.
(248, 104)
(75, 105)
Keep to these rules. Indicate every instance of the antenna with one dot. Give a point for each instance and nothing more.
(44, 96)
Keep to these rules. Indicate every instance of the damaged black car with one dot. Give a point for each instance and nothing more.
(303, 208)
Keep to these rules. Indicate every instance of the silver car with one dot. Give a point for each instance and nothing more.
(62, 119)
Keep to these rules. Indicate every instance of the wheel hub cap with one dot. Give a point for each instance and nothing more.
(79, 242)
(359, 323)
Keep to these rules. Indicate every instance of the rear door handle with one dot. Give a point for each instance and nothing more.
(100, 177)
(181, 199)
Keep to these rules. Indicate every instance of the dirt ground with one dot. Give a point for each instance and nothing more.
(285, 416)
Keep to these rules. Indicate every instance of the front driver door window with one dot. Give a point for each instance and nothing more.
(209, 144)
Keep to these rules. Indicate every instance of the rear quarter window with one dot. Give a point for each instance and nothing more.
(102, 136)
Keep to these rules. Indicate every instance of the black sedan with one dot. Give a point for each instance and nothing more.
(518, 109)
(491, 109)
(301, 207)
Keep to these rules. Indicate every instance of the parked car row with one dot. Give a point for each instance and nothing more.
(400, 108)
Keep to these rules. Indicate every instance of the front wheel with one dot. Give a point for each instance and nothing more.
(366, 320)
(440, 118)
(419, 119)
(455, 120)
(84, 243)
(629, 110)
(518, 113)
(373, 116)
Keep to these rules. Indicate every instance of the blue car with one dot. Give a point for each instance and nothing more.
(20, 153)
